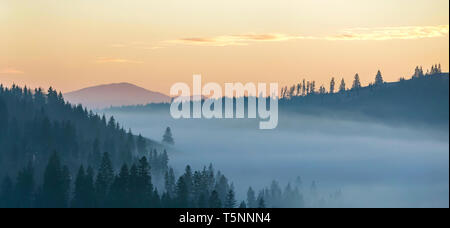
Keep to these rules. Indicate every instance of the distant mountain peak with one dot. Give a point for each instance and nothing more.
(114, 94)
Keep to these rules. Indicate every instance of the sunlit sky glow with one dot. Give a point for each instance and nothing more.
(75, 44)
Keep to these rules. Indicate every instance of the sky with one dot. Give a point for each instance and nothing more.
(154, 44)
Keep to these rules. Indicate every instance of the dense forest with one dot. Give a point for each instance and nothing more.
(34, 124)
(54, 154)
(422, 99)
(132, 187)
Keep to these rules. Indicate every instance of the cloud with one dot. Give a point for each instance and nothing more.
(373, 34)
(392, 33)
(116, 60)
(234, 40)
(11, 71)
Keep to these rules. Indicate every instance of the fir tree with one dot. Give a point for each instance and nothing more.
(79, 194)
(332, 85)
(144, 185)
(53, 191)
(378, 79)
(182, 193)
(230, 201)
(356, 83)
(170, 182)
(251, 199)
(167, 137)
(104, 179)
(119, 194)
(342, 86)
(141, 145)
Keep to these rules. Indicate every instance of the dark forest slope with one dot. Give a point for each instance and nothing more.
(34, 124)
(421, 101)
(424, 100)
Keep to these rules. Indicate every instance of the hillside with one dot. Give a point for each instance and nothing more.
(423, 100)
(35, 124)
(118, 94)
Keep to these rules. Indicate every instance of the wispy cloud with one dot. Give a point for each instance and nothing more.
(374, 34)
(392, 33)
(234, 40)
(116, 60)
(10, 70)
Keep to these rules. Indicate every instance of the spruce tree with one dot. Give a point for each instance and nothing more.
(119, 194)
(378, 79)
(251, 199)
(79, 194)
(141, 145)
(342, 86)
(356, 83)
(332, 85)
(182, 193)
(167, 137)
(53, 190)
(170, 182)
(230, 201)
(104, 180)
(134, 186)
(145, 186)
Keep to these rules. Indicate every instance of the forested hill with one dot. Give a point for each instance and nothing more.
(422, 99)
(35, 124)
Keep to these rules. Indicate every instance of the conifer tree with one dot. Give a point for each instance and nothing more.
(141, 145)
(105, 177)
(79, 194)
(342, 86)
(356, 83)
(230, 201)
(134, 186)
(53, 190)
(170, 182)
(119, 194)
(167, 137)
(378, 79)
(251, 199)
(332, 85)
(144, 185)
(182, 193)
